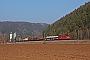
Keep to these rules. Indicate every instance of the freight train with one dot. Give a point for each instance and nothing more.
(28, 38)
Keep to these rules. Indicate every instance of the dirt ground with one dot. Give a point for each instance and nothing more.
(44, 51)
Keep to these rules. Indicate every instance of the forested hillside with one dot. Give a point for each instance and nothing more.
(22, 28)
(76, 24)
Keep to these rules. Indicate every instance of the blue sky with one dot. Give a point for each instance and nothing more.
(37, 11)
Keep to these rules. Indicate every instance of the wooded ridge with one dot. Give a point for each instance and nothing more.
(76, 24)
(22, 28)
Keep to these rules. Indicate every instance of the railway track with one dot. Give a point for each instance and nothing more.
(57, 41)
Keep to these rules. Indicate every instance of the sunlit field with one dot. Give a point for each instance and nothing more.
(42, 51)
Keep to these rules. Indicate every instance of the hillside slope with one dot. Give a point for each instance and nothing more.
(76, 24)
(22, 28)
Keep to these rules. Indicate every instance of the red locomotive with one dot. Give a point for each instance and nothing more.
(63, 38)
